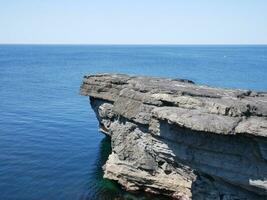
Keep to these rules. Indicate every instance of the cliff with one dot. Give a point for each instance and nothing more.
(187, 141)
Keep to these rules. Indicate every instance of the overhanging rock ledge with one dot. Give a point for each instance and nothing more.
(180, 139)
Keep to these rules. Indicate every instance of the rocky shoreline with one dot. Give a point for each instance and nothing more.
(180, 139)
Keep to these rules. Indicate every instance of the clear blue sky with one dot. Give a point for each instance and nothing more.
(133, 21)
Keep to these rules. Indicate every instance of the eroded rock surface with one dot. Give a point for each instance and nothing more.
(183, 140)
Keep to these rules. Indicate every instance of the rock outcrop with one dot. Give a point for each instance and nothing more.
(187, 141)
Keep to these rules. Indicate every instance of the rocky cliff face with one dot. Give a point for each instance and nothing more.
(183, 140)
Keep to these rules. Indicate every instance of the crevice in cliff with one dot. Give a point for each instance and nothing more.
(98, 101)
(184, 80)
(186, 93)
(143, 127)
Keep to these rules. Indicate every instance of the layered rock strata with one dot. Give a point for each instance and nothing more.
(187, 141)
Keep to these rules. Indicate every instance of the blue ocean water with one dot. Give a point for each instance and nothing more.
(50, 147)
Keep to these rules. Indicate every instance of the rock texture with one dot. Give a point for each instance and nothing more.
(183, 140)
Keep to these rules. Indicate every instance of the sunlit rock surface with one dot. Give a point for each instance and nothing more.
(180, 139)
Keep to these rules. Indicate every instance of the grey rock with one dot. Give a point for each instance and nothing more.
(180, 139)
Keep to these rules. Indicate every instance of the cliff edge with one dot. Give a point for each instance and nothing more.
(187, 141)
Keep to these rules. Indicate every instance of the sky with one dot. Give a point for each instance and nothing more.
(133, 21)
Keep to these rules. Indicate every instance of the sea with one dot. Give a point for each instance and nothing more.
(50, 145)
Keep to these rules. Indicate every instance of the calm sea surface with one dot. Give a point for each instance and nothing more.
(50, 147)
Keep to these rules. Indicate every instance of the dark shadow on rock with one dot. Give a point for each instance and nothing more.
(223, 164)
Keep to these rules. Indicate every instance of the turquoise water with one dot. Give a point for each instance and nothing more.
(50, 147)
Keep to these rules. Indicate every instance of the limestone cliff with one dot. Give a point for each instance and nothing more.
(180, 139)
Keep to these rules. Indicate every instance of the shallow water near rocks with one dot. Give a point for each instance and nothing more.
(50, 146)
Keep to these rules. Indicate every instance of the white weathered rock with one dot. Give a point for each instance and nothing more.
(183, 140)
